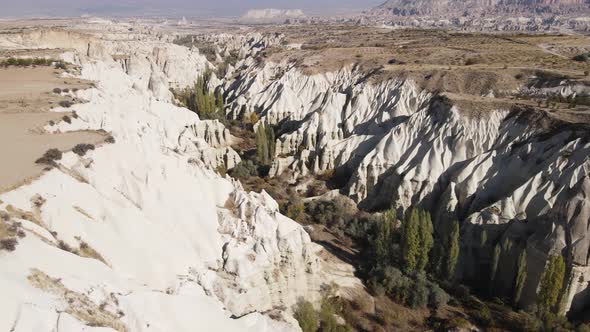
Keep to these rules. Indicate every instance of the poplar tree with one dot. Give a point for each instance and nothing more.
(453, 255)
(551, 283)
(495, 261)
(520, 276)
(384, 239)
(426, 240)
(261, 145)
(410, 241)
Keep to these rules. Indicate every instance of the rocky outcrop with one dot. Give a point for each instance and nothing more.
(142, 234)
(519, 174)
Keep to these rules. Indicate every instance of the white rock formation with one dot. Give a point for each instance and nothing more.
(142, 234)
(398, 146)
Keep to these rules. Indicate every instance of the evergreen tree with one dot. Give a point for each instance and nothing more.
(521, 275)
(384, 240)
(551, 283)
(219, 101)
(271, 142)
(261, 145)
(495, 261)
(483, 238)
(410, 241)
(426, 240)
(453, 255)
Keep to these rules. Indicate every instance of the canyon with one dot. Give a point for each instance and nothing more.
(145, 232)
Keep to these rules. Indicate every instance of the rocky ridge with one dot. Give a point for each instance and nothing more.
(208, 251)
(516, 173)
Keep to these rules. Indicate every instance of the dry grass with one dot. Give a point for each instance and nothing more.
(87, 251)
(79, 305)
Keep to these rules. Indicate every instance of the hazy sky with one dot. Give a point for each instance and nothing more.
(173, 7)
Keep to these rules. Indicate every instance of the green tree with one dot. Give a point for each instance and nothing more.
(219, 101)
(483, 238)
(520, 276)
(271, 142)
(384, 239)
(410, 241)
(307, 317)
(453, 254)
(495, 261)
(261, 145)
(265, 144)
(426, 240)
(551, 283)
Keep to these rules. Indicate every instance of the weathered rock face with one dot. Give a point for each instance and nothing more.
(142, 234)
(520, 175)
(471, 7)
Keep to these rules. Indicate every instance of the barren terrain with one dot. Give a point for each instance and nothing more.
(26, 95)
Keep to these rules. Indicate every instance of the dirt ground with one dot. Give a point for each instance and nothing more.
(25, 98)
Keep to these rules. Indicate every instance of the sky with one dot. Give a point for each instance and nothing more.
(192, 8)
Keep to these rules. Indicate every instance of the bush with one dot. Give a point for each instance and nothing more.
(582, 57)
(307, 317)
(57, 90)
(484, 316)
(245, 169)
(82, 148)
(419, 293)
(325, 212)
(110, 139)
(295, 208)
(49, 157)
(438, 297)
(8, 244)
(65, 103)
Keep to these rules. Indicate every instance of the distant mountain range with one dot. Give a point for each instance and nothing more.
(477, 7)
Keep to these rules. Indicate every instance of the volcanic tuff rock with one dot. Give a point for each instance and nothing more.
(142, 234)
(518, 173)
(456, 8)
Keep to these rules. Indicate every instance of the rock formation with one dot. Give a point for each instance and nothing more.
(517, 173)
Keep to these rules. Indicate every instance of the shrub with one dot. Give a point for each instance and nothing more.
(419, 293)
(582, 57)
(64, 246)
(484, 316)
(8, 244)
(110, 139)
(82, 148)
(67, 119)
(295, 208)
(325, 212)
(245, 169)
(57, 90)
(49, 157)
(65, 103)
(307, 317)
(438, 297)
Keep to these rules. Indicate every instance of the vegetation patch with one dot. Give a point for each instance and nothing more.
(81, 149)
(49, 157)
